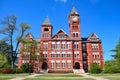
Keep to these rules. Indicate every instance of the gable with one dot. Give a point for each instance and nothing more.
(60, 35)
(93, 37)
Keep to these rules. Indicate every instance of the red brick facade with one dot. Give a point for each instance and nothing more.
(66, 52)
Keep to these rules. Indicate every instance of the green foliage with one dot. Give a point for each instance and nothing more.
(9, 29)
(4, 62)
(111, 67)
(95, 68)
(26, 67)
(117, 51)
(16, 71)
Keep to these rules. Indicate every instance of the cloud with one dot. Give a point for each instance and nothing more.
(64, 1)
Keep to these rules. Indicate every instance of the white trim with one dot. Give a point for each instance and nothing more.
(52, 61)
(69, 61)
(63, 42)
(53, 42)
(58, 43)
(68, 42)
(63, 61)
(58, 61)
(68, 52)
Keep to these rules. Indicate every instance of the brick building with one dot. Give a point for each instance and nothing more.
(63, 51)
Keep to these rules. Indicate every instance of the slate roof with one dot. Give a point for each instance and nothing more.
(47, 22)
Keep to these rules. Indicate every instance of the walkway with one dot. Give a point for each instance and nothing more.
(93, 77)
(24, 77)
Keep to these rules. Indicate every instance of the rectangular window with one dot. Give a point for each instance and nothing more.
(63, 46)
(69, 64)
(52, 65)
(44, 55)
(52, 55)
(58, 55)
(75, 45)
(68, 55)
(53, 46)
(68, 46)
(58, 46)
(58, 64)
(75, 55)
(83, 47)
(63, 55)
(45, 45)
(94, 47)
(63, 64)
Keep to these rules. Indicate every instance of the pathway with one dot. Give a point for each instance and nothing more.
(24, 77)
(93, 77)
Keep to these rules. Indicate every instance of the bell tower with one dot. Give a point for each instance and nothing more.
(74, 24)
(46, 29)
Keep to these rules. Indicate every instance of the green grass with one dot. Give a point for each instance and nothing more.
(10, 76)
(14, 74)
(6, 78)
(113, 78)
(59, 75)
(115, 74)
(59, 78)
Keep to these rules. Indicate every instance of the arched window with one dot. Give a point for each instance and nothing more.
(46, 29)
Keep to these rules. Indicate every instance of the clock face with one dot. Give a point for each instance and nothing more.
(75, 19)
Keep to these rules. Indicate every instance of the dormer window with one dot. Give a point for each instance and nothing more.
(60, 37)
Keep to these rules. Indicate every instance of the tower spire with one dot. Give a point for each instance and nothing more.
(47, 21)
(74, 11)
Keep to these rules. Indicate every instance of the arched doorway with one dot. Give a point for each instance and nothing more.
(44, 66)
(77, 65)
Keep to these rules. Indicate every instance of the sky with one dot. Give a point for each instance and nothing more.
(99, 16)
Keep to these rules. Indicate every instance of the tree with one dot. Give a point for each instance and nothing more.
(26, 67)
(95, 68)
(117, 51)
(111, 67)
(9, 30)
(30, 49)
(4, 56)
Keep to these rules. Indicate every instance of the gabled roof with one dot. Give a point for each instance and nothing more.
(29, 35)
(93, 37)
(47, 22)
(74, 11)
(59, 32)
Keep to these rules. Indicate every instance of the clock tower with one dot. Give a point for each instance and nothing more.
(74, 24)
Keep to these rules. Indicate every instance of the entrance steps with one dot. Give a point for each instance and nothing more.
(78, 71)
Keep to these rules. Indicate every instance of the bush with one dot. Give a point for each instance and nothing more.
(26, 67)
(95, 68)
(16, 71)
(6, 71)
(60, 71)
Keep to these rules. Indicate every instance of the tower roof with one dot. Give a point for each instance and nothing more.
(47, 22)
(74, 11)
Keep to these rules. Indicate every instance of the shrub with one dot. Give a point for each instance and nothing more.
(16, 71)
(95, 68)
(60, 71)
(26, 67)
(6, 71)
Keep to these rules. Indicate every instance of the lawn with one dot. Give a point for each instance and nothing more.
(115, 76)
(59, 77)
(10, 76)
